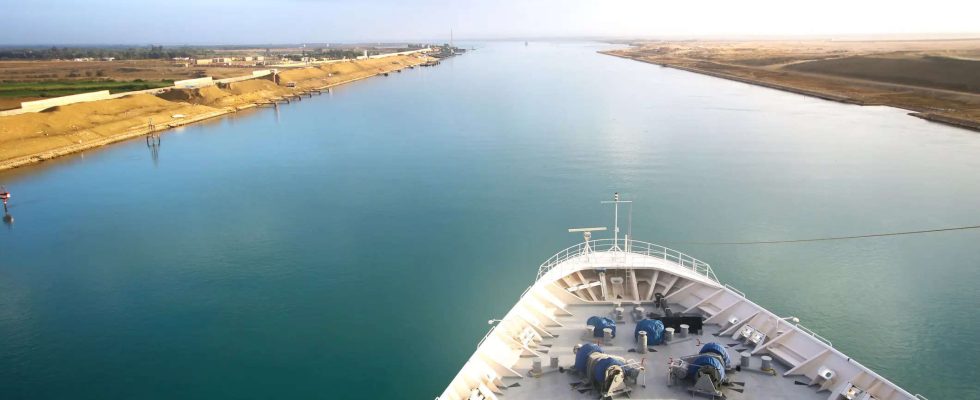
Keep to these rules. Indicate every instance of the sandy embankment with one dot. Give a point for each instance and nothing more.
(34, 137)
(931, 79)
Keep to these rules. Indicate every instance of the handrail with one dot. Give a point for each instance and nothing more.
(635, 247)
(814, 334)
(487, 335)
(489, 331)
(732, 288)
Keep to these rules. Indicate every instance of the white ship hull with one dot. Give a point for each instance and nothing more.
(596, 278)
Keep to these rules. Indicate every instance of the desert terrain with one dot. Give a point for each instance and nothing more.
(938, 80)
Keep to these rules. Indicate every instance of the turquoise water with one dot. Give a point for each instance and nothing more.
(354, 245)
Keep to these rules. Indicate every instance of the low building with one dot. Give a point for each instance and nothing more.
(203, 61)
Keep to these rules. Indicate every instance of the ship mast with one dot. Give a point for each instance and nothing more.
(616, 201)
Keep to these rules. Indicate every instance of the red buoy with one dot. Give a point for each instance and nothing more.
(4, 195)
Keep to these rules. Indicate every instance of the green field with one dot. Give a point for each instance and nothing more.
(64, 88)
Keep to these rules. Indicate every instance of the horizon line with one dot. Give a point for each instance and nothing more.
(920, 36)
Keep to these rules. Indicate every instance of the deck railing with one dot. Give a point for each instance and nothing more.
(810, 332)
(628, 247)
(733, 289)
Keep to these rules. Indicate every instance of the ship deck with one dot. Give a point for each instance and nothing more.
(591, 278)
(652, 384)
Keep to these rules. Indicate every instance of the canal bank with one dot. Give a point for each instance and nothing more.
(33, 137)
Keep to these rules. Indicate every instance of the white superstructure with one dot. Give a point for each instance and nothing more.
(531, 352)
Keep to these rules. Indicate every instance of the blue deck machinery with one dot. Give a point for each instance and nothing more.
(607, 374)
(705, 371)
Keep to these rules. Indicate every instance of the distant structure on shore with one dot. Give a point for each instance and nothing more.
(4, 196)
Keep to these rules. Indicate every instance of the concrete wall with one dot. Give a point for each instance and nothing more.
(255, 74)
(404, 53)
(16, 111)
(147, 91)
(194, 83)
(38, 105)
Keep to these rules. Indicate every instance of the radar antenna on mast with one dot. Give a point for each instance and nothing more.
(587, 234)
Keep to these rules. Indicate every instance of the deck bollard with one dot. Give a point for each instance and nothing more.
(641, 342)
(684, 330)
(766, 363)
(669, 334)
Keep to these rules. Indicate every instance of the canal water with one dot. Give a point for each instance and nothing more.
(354, 245)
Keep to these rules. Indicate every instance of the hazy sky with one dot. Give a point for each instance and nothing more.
(298, 21)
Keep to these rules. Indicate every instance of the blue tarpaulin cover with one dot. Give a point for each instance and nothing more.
(654, 329)
(599, 371)
(599, 323)
(582, 357)
(692, 369)
(717, 349)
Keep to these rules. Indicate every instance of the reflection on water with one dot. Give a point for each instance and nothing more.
(153, 143)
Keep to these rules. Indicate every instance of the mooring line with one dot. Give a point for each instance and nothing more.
(959, 228)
